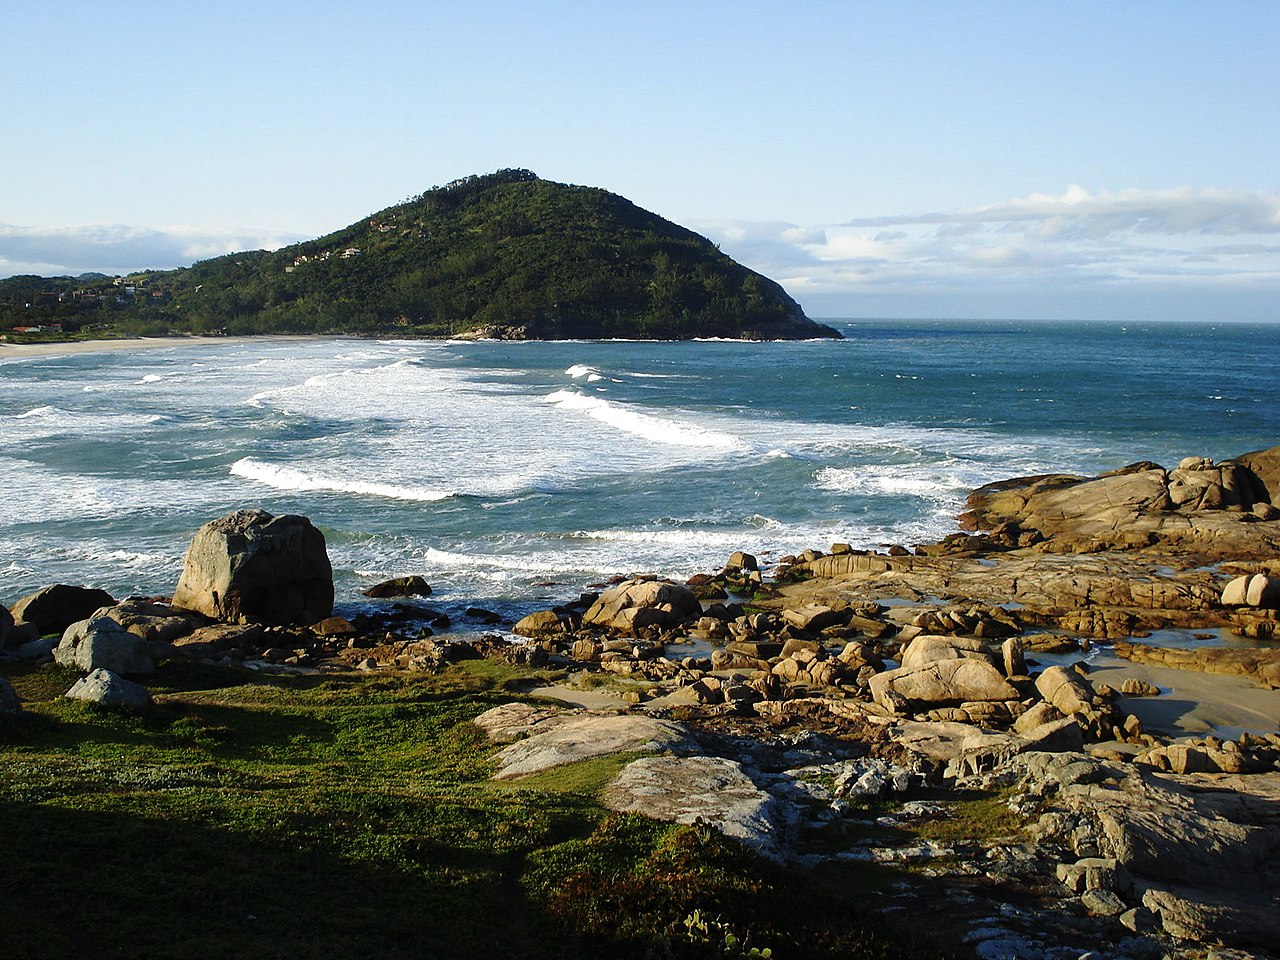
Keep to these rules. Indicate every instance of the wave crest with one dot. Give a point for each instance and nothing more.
(288, 478)
(655, 429)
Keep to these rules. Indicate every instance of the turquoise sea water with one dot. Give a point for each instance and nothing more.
(511, 473)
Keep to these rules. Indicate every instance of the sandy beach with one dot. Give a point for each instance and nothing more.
(1191, 702)
(20, 351)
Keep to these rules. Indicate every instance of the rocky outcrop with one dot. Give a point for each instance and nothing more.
(637, 604)
(53, 609)
(252, 567)
(1200, 504)
(110, 690)
(1201, 852)
(1262, 664)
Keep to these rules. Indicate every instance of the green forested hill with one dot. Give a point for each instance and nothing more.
(505, 254)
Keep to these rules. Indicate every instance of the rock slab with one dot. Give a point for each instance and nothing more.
(713, 790)
(587, 737)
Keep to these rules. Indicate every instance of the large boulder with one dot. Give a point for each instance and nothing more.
(635, 604)
(925, 649)
(942, 682)
(53, 609)
(6, 624)
(1265, 467)
(110, 690)
(1199, 502)
(101, 643)
(251, 567)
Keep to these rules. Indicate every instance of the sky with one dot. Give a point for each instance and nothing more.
(1090, 160)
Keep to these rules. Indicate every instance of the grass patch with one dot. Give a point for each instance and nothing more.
(972, 818)
(352, 815)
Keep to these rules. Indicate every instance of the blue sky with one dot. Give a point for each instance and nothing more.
(879, 159)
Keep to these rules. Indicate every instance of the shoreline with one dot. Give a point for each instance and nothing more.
(21, 351)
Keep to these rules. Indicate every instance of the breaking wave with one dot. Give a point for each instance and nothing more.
(288, 478)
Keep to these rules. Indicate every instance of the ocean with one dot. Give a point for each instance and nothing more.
(512, 475)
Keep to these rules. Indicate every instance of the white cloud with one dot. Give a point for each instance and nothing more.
(1141, 241)
(1175, 211)
(113, 249)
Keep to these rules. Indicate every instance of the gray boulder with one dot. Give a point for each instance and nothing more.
(10, 705)
(102, 643)
(111, 690)
(251, 567)
(53, 609)
(635, 604)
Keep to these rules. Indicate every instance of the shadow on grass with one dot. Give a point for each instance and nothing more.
(106, 884)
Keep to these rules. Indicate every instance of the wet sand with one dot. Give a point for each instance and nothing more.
(1192, 702)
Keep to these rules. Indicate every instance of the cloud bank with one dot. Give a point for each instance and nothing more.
(60, 251)
(1033, 256)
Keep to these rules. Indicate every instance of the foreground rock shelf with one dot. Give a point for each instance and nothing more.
(781, 705)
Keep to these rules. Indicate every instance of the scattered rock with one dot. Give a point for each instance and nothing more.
(1133, 687)
(110, 690)
(412, 586)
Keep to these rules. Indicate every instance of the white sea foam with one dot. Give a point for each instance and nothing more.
(656, 429)
(579, 370)
(289, 478)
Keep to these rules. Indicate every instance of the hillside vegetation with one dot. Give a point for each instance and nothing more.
(504, 255)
